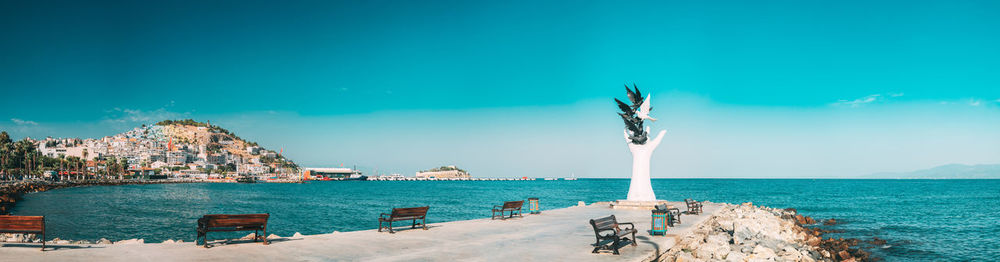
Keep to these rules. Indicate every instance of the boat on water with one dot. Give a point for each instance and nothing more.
(246, 179)
(356, 176)
(333, 174)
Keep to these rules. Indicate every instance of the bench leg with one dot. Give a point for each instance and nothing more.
(379, 225)
(390, 228)
(424, 223)
(634, 240)
(43, 241)
(615, 247)
(255, 236)
(414, 224)
(265, 235)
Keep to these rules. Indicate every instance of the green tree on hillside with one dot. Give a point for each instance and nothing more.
(5, 153)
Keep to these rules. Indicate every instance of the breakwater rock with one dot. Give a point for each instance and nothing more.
(749, 233)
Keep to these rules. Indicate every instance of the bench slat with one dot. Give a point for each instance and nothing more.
(18, 218)
(27, 224)
(513, 204)
(409, 212)
(21, 228)
(236, 222)
(22, 223)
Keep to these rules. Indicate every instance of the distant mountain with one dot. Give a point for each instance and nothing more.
(952, 171)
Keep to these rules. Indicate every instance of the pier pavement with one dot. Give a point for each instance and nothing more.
(554, 235)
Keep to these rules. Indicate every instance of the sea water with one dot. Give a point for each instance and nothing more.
(921, 219)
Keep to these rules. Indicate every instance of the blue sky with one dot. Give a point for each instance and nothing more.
(773, 89)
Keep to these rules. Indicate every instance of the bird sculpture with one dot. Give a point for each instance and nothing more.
(643, 112)
(634, 114)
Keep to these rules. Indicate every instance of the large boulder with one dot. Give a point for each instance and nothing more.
(704, 251)
(720, 238)
(726, 225)
(735, 256)
(763, 252)
(686, 257)
(130, 241)
(720, 252)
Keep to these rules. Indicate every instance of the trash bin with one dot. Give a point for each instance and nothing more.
(533, 205)
(659, 222)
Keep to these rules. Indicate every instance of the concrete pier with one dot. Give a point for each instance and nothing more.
(554, 235)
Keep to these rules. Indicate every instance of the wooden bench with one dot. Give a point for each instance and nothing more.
(514, 207)
(225, 223)
(409, 213)
(24, 225)
(613, 233)
(694, 207)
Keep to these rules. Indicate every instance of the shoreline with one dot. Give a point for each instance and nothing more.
(545, 236)
(765, 233)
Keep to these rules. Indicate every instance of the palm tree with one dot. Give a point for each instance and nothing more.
(85, 158)
(22, 149)
(108, 165)
(5, 151)
(62, 161)
(123, 165)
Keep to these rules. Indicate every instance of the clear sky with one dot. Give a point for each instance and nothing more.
(510, 88)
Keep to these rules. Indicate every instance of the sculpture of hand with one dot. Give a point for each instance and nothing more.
(640, 188)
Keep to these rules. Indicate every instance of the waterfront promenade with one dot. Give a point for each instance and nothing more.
(554, 235)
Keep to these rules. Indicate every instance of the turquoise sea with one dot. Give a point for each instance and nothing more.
(923, 220)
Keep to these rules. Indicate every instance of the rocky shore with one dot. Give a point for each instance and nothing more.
(749, 233)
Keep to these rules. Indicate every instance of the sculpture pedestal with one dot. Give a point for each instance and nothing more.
(634, 204)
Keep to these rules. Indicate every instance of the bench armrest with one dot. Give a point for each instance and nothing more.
(630, 225)
(611, 232)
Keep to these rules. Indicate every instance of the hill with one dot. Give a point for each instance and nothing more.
(175, 147)
(952, 171)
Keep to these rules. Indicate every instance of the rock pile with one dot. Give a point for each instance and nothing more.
(19, 238)
(748, 233)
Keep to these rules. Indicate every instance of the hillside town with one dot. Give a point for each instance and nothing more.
(183, 149)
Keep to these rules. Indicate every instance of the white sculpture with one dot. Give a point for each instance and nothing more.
(637, 138)
(640, 188)
(644, 108)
